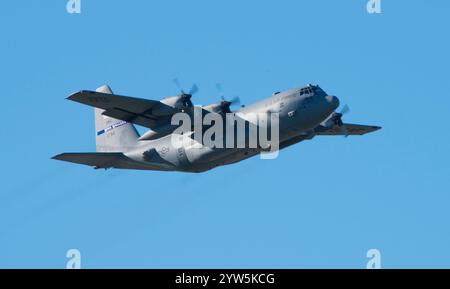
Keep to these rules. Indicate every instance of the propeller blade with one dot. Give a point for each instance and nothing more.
(345, 110)
(178, 85)
(219, 87)
(194, 89)
(220, 90)
(225, 104)
(186, 97)
(235, 100)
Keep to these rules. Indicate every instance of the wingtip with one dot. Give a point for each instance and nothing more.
(77, 96)
(56, 157)
(73, 95)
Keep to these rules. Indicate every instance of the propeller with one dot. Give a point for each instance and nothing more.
(224, 103)
(186, 97)
(338, 119)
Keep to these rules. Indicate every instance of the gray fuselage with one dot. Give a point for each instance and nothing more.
(300, 111)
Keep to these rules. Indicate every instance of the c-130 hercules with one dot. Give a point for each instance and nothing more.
(302, 114)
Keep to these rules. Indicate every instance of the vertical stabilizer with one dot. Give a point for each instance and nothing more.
(113, 135)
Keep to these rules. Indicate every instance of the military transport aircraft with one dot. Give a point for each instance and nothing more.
(303, 113)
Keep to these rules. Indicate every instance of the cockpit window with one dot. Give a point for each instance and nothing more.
(306, 90)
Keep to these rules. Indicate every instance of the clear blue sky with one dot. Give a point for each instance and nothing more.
(321, 204)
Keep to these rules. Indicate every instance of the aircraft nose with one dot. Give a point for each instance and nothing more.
(333, 101)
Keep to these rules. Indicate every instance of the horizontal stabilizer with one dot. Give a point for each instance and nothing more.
(97, 160)
(105, 161)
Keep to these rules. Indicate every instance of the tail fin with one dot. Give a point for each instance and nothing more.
(113, 135)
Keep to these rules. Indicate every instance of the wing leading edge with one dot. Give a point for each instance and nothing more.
(350, 129)
(145, 112)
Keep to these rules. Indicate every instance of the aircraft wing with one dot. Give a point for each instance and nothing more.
(350, 129)
(145, 112)
(104, 161)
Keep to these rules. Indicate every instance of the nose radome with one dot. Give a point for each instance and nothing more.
(332, 100)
